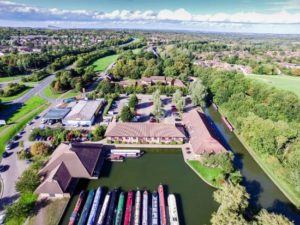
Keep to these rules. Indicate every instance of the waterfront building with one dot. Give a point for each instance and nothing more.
(67, 163)
(150, 133)
(203, 137)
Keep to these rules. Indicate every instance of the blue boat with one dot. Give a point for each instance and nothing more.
(96, 203)
(111, 208)
(86, 208)
(154, 219)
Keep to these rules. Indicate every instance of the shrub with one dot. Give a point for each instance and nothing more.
(28, 181)
(39, 149)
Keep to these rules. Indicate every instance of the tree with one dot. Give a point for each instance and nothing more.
(178, 100)
(226, 217)
(40, 149)
(28, 181)
(133, 101)
(156, 103)
(232, 197)
(198, 93)
(126, 114)
(266, 218)
(98, 132)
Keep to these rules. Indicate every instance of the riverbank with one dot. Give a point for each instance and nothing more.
(269, 168)
(283, 186)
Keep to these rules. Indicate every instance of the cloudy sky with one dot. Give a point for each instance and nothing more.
(255, 16)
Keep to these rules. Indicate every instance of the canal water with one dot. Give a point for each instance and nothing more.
(264, 193)
(167, 167)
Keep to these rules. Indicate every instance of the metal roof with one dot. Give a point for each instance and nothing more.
(57, 113)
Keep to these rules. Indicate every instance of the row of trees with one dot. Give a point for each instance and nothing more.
(267, 118)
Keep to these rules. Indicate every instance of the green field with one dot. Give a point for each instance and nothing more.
(5, 79)
(70, 94)
(208, 174)
(10, 98)
(102, 63)
(50, 94)
(34, 106)
(284, 82)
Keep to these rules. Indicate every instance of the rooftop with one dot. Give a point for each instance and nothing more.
(84, 110)
(57, 113)
(143, 130)
(203, 138)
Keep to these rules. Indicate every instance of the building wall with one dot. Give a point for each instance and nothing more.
(135, 140)
(80, 123)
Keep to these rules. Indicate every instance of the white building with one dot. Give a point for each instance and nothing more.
(83, 113)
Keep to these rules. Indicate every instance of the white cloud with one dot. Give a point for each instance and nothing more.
(170, 19)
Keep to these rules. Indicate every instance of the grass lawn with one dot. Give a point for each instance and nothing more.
(33, 103)
(51, 213)
(49, 93)
(70, 94)
(284, 82)
(208, 174)
(5, 79)
(10, 98)
(32, 108)
(102, 63)
(137, 51)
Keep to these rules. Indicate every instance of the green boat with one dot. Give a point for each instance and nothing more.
(86, 208)
(119, 215)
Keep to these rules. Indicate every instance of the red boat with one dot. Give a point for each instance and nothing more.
(127, 218)
(77, 208)
(162, 205)
(227, 123)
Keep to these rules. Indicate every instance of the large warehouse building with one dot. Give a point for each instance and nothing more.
(83, 113)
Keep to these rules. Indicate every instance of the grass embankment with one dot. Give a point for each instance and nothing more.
(271, 166)
(107, 107)
(288, 83)
(69, 94)
(51, 213)
(102, 63)
(208, 174)
(10, 98)
(50, 94)
(6, 79)
(34, 106)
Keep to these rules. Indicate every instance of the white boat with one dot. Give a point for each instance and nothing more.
(92, 216)
(103, 211)
(137, 208)
(173, 210)
(128, 153)
(145, 208)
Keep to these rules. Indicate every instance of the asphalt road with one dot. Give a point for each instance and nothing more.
(37, 89)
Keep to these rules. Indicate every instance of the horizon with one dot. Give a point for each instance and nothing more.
(257, 17)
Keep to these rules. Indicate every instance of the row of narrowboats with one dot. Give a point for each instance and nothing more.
(118, 208)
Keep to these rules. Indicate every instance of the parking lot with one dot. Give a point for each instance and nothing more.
(145, 107)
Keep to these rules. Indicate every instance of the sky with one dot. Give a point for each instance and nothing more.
(249, 16)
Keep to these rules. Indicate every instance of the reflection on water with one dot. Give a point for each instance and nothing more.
(263, 191)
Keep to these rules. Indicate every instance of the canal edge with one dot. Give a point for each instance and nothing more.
(266, 170)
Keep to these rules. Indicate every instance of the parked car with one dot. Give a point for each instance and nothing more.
(3, 168)
(8, 146)
(5, 154)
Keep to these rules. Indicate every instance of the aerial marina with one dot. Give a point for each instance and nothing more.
(141, 212)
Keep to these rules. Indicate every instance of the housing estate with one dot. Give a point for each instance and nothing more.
(67, 163)
(150, 133)
(203, 137)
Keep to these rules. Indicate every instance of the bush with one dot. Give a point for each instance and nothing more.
(98, 132)
(39, 149)
(28, 181)
(126, 114)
